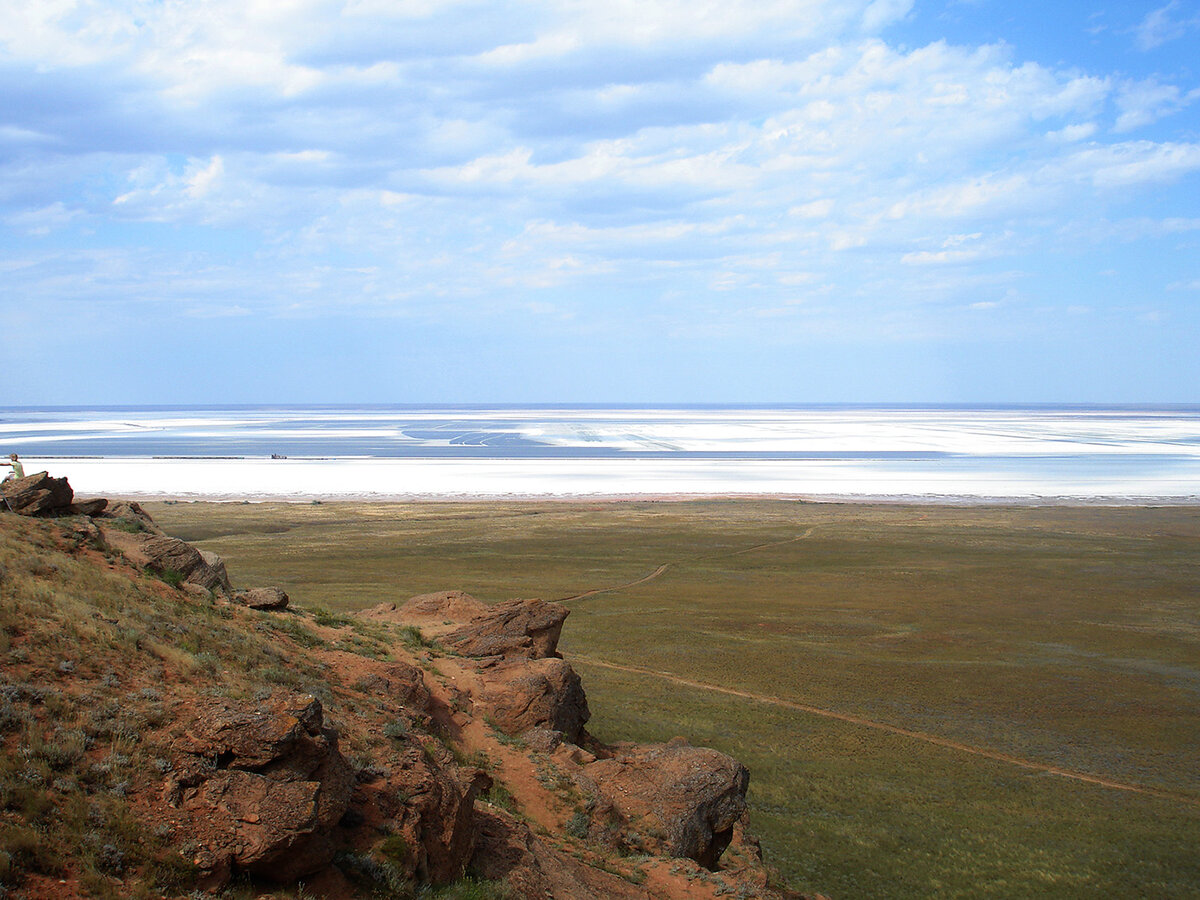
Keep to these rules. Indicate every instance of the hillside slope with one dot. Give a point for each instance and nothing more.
(165, 733)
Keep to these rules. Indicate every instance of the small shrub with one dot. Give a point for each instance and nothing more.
(471, 888)
(111, 860)
(395, 729)
(62, 749)
(297, 631)
(395, 848)
(28, 851)
(13, 718)
(328, 619)
(382, 876)
(411, 636)
(508, 740)
(499, 795)
(279, 675)
(173, 577)
(577, 826)
(169, 871)
(129, 526)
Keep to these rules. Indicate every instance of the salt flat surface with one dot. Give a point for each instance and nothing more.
(383, 479)
(1088, 454)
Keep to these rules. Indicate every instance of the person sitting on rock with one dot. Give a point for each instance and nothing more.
(18, 470)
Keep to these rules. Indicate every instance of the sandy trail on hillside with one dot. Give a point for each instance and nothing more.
(896, 729)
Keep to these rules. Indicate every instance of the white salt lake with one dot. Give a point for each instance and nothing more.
(1042, 454)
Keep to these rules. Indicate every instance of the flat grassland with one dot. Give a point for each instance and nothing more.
(932, 701)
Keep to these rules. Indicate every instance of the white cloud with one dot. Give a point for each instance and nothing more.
(201, 180)
(217, 311)
(940, 257)
(1161, 26)
(1145, 102)
(10, 134)
(1071, 133)
(394, 151)
(882, 13)
(817, 209)
(41, 222)
(1130, 164)
(546, 46)
(984, 196)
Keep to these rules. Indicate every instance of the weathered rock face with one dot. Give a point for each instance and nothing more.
(37, 495)
(217, 565)
(267, 598)
(400, 682)
(132, 512)
(519, 694)
(91, 507)
(508, 850)
(686, 799)
(444, 606)
(528, 628)
(163, 554)
(430, 810)
(268, 784)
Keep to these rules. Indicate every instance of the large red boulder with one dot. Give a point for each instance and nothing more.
(36, 495)
(528, 628)
(685, 800)
(519, 694)
(265, 787)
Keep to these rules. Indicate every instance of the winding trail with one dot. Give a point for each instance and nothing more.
(791, 540)
(849, 718)
(619, 587)
(663, 568)
(896, 729)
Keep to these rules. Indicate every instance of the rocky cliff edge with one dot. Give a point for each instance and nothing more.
(165, 734)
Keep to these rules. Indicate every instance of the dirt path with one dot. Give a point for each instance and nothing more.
(663, 568)
(896, 729)
(859, 720)
(619, 587)
(791, 540)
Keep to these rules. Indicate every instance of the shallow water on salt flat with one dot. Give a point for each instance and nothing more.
(1086, 453)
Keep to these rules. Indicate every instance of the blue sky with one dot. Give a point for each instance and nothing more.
(566, 200)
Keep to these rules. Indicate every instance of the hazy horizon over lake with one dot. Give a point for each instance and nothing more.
(1089, 453)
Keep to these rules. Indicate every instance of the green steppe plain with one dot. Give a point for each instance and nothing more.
(1066, 637)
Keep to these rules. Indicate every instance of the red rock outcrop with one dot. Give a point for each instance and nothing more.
(520, 694)
(261, 788)
(267, 598)
(92, 507)
(454, 606)
(36, 495)
(264, 787)
(508, 850)
(167, 554)
(132, 512)
(428, 810)
(528, 628)
(400, 682)
(686, 800)
(429, 609)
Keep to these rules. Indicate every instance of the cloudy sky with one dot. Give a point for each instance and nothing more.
(574, 200)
